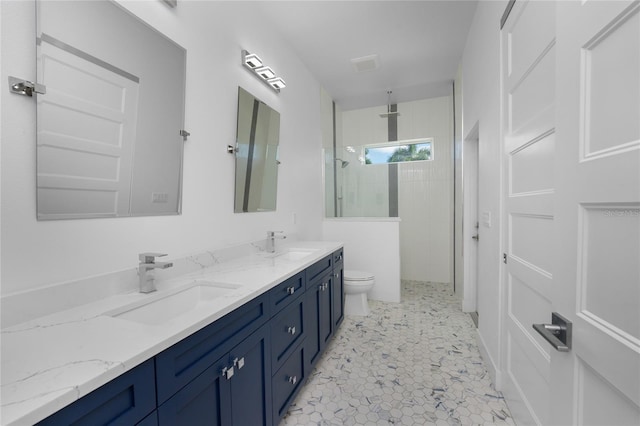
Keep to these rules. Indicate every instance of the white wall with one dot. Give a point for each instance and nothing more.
(425, 193)
(39, 253)
(371, 245)
(459, 188)
(481, 106)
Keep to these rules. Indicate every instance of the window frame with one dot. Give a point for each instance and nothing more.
(398, 144)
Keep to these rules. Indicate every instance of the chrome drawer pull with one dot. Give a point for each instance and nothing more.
(293, 380)
(291, 290)
(238, 363)
(291, 330)
(227, 372)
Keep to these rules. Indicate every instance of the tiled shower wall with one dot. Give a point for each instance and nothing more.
(425, 189)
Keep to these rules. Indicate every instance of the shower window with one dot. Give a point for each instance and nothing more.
(399, 152)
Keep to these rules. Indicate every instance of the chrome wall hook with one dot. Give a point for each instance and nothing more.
(25, 87)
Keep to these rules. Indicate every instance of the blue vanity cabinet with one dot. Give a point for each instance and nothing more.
(287, 381)
(150, 420)
(243, 369)
(318, 318)
(338, 288)
(287, 291)
(288, 329)
(321, 267)
(234, 390)
(251, 401)
(126, 400)
(183, 362)
(201, 402)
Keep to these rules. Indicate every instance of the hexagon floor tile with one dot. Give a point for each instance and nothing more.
(409, 363)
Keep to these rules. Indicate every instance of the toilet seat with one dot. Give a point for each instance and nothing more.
(356, 276)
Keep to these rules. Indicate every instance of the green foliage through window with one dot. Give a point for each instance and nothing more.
(399, 153)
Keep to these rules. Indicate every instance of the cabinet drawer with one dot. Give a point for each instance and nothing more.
(127, 399)
(338, 257)
(285, 292)
(287, 330)
(184, 361)
(201, 402)
(286, 382)
(150, 420)
(319, 268)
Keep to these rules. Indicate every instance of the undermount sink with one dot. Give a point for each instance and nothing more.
(170, 306)
(293, 254)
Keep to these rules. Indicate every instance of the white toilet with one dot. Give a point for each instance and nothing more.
(356, 286)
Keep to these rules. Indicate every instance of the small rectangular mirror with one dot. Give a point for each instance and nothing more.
(108, 127)
(258, 133)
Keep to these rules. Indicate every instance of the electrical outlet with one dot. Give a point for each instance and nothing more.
(159, 197)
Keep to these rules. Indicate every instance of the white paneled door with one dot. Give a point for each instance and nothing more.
(596, 281)
(571, 84)
(86, 134)
(528, 70)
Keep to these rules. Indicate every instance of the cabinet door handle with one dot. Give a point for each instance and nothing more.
(238, 363)
(291, 290)
(227, 372)
(293, 379)
(291, 330)
(337, 275)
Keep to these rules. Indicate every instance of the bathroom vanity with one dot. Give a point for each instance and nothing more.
(230, 344)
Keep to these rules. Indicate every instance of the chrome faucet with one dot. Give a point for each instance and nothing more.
(145, 270)
(271, 240)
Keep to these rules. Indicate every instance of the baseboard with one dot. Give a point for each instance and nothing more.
(494, 372)
(519, 408)
(468, 305)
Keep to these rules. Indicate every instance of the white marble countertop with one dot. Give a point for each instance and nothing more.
(52, 361)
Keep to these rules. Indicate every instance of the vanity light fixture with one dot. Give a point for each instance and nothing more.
(266, 74)
(252, 60)
(277, 83)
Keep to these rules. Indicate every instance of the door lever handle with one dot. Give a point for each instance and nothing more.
(558, 333)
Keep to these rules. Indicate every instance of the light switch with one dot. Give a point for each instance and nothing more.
(486, 219)
(159, 197)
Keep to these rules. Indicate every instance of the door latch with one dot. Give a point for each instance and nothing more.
(25, 87)
(558, 333)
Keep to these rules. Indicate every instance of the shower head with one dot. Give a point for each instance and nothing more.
(344, 163)
(389, 113)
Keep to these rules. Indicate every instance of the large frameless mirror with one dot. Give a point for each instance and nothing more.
(256, 152)
(109, 127)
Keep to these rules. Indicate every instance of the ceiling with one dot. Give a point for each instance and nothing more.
(419, 45)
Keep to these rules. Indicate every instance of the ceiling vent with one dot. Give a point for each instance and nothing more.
(365, 63)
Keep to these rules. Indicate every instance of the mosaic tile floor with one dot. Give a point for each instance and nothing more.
(412, 363)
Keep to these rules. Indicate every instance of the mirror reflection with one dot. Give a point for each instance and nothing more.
(108, 127)
(257, 162)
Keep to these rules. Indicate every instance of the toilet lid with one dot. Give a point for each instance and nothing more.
(357, 275)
